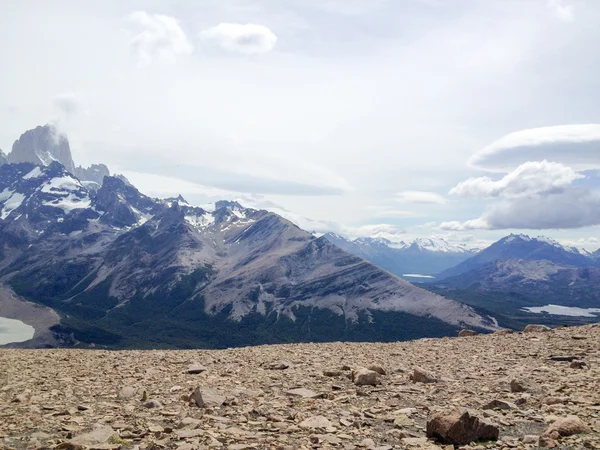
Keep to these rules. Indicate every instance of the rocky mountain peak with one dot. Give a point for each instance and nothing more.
(42, 145)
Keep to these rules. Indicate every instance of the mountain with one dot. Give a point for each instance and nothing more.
(125, 270)
(3, 159)
(539, 282)
(44, 145)
(424, 256)
(520, 246)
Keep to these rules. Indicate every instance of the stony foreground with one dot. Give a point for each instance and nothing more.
(527, 386)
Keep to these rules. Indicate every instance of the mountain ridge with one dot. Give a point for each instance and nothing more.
(111, 259)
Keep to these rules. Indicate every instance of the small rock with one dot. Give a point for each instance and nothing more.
(304, 393)
(127, 392)
(365, 377)
(547, 442)
(153, 404)
(466, 333)
(530, 439)
(332, 373)
(577, 364)
(536, 328)
(568, 426)
(196, 368)
(503, 332)
(523, 385)
(460, 427)
(278, 365)
(567, 358)
(315, 422)
(402, 420)
(423, 376)
(207, 398)
(376, 368)
(500, 404)
(101, 434)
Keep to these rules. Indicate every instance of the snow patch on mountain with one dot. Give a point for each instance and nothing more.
(11, 203)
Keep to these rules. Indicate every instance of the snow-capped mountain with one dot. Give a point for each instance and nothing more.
(520, 246)
(123, 269)
(425, 256)
(44, 145)
(439, 245)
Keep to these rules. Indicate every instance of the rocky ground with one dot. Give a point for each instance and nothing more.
(520, 390)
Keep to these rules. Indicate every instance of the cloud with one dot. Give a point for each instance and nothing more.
(419, 197)
(530, 178)
(562, 10)
(249, 39)
(68, 103)
(576, 207)
(161, 37)
(475, 224)
(575, 145)
(384, 230)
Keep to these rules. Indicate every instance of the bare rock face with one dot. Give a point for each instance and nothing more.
(568, 426)
(535, 328)
(42, 146)
(465, 333)
(460, 427)
(365, 377)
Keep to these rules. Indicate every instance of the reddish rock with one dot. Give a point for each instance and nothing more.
(460, 427)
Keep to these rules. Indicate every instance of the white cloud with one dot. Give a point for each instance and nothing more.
(161, 37)
(249, 39)
(562, 9)
(68, 103)
(419, 197)
(533, 177)
(575, 145)
(475, 224)
(575, 207)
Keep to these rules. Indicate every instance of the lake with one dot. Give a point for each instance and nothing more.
(416, 275)
(558, 310)
(12, 330)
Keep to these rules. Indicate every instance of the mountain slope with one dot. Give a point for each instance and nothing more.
(520, 247)
(425, 256)
(123, 269)
(539, 282)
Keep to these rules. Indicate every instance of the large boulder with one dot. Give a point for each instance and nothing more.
(460, 427)
(365, 377)
(207, 398)
(568, 426)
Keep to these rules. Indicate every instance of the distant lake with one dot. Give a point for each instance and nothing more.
(12, 330)
(416, 275)
(558, 310)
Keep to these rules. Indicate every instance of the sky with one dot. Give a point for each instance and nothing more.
(462, 119)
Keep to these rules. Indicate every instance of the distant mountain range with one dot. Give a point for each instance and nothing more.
(520, 246)
(423, 256)
(126, 270)
(520, 272)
